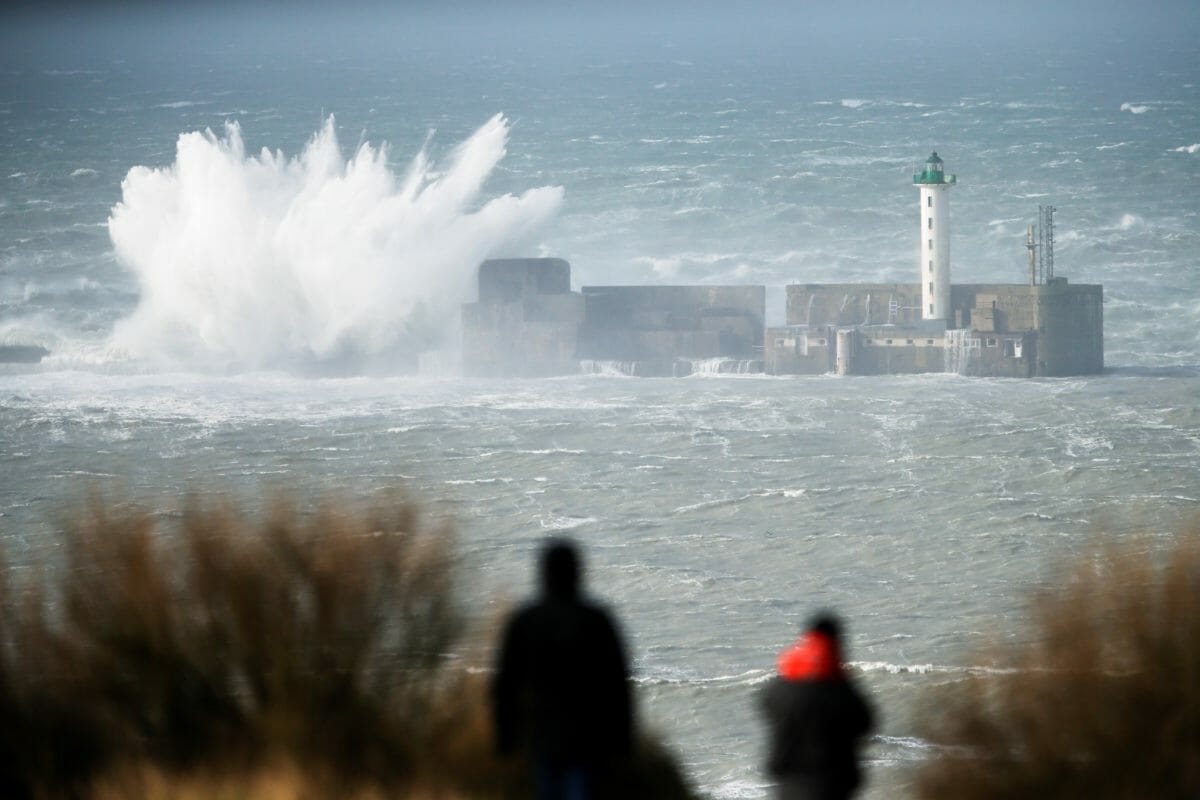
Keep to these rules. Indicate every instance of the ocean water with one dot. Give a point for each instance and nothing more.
(192, 292)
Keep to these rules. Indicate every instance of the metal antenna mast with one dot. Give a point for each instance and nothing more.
(1031, 247)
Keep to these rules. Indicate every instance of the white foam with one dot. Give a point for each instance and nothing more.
(674, 677)
(661, 267)
(31, 330)
(83, 171)
(1134, 108)
(1190, 148)
(1129, 221)
(252, 261)
(182, 104)
(851, 102)
(925, 669)
(708, 504)
(896, 669)
(562, 523)
(741, 789)
(721, 367)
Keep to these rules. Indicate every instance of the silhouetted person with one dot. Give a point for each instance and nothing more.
(816, 718)
(561, 690)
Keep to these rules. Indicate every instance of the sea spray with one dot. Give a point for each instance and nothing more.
(248, 262)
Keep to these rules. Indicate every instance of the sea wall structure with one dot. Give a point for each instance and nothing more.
(526, 322)
(999, 330)
(668, 330)
(529, 323)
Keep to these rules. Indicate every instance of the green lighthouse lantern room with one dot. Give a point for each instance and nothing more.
(934, 172)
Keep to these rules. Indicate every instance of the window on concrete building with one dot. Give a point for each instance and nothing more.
(931, 287)
(931, 244)
(908, 341)
(990, 342)
(820, 341)
(931, 265)
(929, 201)
(1010, 348)
(887, 341)
(931, 308)
(929, 341)
(929, 223)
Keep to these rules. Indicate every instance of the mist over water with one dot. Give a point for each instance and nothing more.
(252, 261)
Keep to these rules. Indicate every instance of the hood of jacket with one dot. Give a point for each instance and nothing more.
(813, 657)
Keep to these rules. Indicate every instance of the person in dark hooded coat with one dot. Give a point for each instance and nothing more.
(816, 717)
(561, 690)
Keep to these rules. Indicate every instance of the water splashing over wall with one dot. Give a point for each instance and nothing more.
(962, 352)
(264, 261)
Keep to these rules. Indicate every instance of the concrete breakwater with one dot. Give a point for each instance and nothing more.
(528, 323)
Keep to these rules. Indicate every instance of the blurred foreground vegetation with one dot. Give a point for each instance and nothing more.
(296, 654)
(1102, 702)
(287, 655)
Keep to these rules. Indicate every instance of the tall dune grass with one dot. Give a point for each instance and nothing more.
(1103, 703)
(231, 655)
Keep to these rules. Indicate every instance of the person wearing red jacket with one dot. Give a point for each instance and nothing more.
(816, 717)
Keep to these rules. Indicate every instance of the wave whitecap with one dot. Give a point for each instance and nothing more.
(264, 261)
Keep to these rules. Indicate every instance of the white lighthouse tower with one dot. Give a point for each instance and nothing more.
(935, 239)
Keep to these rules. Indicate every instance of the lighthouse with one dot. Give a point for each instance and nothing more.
(934, 184)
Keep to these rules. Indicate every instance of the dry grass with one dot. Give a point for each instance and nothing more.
(289, 655)
(1104, 704)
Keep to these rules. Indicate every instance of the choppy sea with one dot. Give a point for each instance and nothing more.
(716, 511)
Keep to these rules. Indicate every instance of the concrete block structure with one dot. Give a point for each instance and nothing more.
(1047, 328)
(997, 330)
(631, 323)
(528, 322)
(506, 280)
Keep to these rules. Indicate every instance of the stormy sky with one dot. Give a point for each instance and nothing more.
(371, 29)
